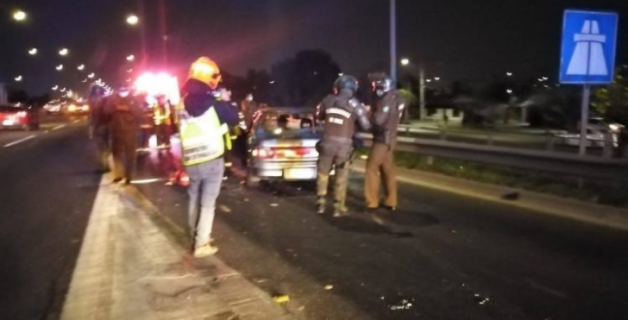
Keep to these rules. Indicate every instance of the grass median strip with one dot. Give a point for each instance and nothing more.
(602, 192)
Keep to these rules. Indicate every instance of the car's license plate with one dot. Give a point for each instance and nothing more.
(8, 122)
(300, 174)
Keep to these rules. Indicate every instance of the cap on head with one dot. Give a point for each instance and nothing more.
(205, 70)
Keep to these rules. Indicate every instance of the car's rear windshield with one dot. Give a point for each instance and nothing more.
(282, 123)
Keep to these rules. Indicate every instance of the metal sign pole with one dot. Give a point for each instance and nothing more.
(584, 119)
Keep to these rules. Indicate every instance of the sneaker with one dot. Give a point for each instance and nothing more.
(390, 208)
(320, 208)
(205, 251)
(339, 213)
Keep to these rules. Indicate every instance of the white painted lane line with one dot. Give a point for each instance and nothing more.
(58, 127)
(10, 144)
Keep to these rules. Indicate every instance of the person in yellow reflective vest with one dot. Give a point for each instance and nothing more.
(162, 118)
(204, 122)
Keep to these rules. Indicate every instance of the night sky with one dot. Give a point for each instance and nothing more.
(456, 39)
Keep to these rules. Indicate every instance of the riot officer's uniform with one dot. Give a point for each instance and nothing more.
(340, 113)
(380, 165)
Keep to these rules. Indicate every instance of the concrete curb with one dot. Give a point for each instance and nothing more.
(616, 218)
(133, 265)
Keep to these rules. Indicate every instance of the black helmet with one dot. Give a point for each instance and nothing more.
(382, 85)
(346, 82)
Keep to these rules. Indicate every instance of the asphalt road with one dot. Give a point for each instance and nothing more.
(48, 188)
(442, 257)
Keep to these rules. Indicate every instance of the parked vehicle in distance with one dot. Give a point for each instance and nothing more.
(18, 116)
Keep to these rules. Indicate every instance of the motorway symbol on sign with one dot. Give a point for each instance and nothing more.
(588, 48)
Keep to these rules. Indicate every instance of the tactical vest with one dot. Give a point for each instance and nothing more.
(339, 120)
(202, 138)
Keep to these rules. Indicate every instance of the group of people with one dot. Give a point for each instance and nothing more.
(205, 119)
(342, 115)
(122, 123)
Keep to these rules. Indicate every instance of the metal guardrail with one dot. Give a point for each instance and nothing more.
(541, 161)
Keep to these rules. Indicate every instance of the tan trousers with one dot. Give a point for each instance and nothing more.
(380, 164)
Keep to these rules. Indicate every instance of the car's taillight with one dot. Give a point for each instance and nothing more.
(264, 153)
(295, 152)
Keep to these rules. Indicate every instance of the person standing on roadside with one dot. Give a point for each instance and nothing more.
(380, 165)
(99, 125)
(204, 122)
(339, 113)
(125, 113)
(162, 118)
(248, 108)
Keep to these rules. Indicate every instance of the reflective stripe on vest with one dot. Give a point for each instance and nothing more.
(202, 138)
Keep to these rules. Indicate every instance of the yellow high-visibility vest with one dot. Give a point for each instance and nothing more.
(202, 138)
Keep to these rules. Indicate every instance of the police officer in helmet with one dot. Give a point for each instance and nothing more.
(340, 112)
(386, 114)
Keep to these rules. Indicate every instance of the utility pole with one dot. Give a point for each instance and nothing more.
(164, 31)
(421, 92)
(393, 40)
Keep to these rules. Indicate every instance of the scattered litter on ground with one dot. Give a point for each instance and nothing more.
(480, 299)
(282, 298)
(404, 304)
(329, 287)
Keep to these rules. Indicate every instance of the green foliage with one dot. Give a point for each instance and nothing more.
(612, 100)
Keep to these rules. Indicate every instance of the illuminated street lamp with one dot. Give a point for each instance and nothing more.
(19, 15)
(55, 88)
(428, 80)
(32, 51)
(509, 91)
(84, 80)
(130, 57)
(81, 67)
(132, 20)
(130, 70)
(63, 90)
(405, 62)
(91, 75)
(509, 74)
(63, 52)
(59, 67)
(18, 78)
(437, 78)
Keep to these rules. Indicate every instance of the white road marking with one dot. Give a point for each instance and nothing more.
(58, 127)
(10, 144)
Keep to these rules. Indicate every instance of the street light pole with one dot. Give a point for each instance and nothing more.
(393, 40)
(421, 92)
